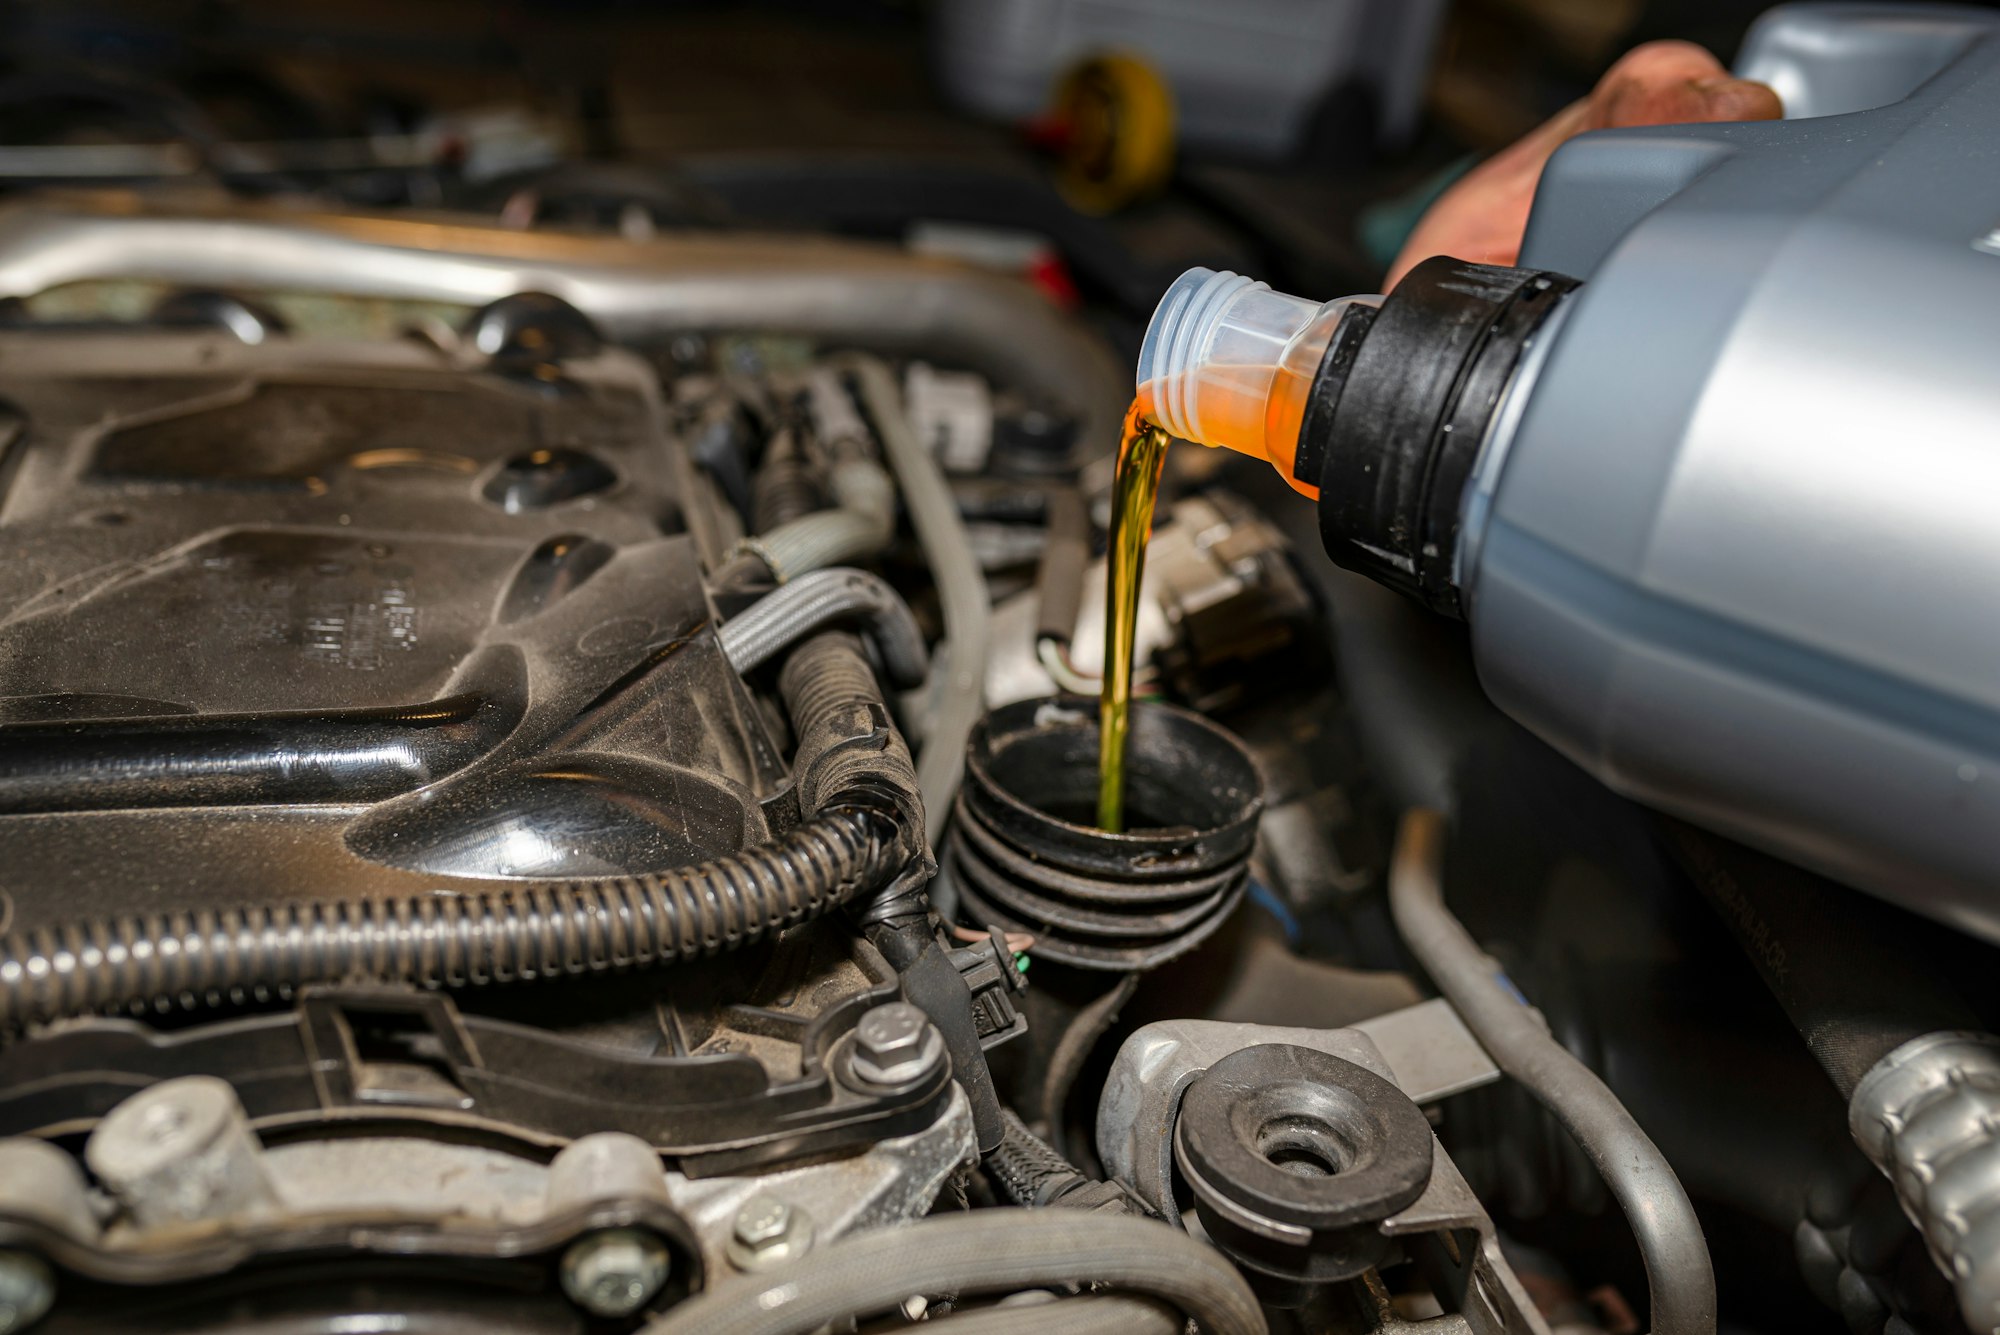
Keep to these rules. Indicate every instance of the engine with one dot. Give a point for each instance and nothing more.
(545, 786)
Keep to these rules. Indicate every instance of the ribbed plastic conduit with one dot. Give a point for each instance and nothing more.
(489, 934)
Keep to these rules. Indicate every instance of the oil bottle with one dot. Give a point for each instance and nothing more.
(1611, 484)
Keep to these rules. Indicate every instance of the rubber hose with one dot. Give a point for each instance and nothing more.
(483, 934)
(1678, 1270)
(981, 1251)
(962, 594)
(860, 525)
(1079, 1039)
(863, 517)
(1859, 978)
(812, 602)
(1094, 1314)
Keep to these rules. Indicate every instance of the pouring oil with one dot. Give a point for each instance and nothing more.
(1273, 412)
(1142, 453)
(1225, 362)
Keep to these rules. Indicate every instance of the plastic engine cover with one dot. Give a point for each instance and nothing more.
(325, 617)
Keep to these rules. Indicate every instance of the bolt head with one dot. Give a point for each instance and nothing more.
(615, 1272)
(896, 1044)
(768, 1232)
(890, 1032)
(27, 1291)
(764, 1219)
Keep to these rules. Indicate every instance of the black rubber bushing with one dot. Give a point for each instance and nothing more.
(1295, 1158)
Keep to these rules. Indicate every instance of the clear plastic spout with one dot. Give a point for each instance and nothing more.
(1226, 361)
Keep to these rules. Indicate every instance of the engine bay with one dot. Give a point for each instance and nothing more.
(430, 659)
(551, 782)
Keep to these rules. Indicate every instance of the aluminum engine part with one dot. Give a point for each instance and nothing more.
(415, 1196)
(877, 297)
(1445, 1229)
(181, 1152)
(359, 1200)
(893, 1182)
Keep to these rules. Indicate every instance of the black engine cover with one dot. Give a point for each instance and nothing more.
(313, 618)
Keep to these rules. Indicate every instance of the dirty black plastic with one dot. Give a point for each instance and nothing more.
(1397, 417)
(1294, 1158)
(542, 478)
(268, 640)
(194, 760)
(532, 328)
(1026, 857)
(361, 1053)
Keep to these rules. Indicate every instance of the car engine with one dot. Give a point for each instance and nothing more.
(545, 786)
(451, 774)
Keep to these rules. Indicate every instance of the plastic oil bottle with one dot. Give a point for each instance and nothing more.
(1657, 560)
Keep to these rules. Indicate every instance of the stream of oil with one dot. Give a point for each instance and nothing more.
(1142, 451)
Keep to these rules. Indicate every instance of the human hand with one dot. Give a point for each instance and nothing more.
(1483, 217)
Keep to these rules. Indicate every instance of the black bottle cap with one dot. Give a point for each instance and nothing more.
(1399, 409)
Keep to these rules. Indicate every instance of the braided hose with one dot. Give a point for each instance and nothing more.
(510, 932)
(1024, 1165)
(859, 526)
(1028, 1171)
(817, 600)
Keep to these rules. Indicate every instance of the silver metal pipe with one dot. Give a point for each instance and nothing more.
(1678, 1270)
(814, 601)
(852, 293)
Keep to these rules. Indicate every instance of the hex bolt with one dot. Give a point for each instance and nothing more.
(895, 1045)
(768, 1232)
(27, 1291)
(615, 1272)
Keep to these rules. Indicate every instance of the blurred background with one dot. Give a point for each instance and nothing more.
(1099, 145)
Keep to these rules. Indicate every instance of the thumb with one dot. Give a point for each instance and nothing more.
(1739, 100)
